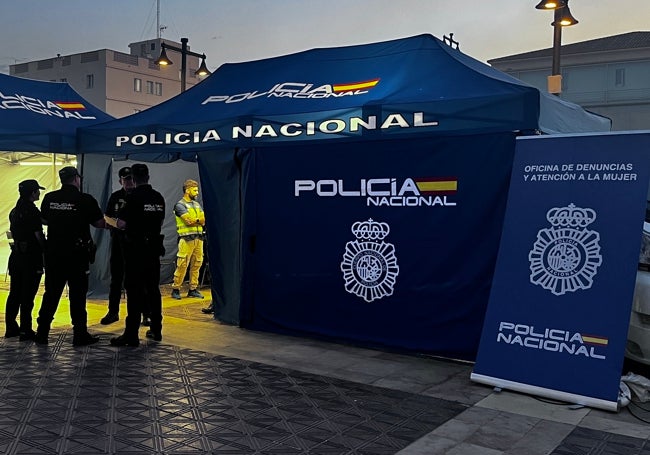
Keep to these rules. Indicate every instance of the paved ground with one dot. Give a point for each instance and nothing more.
(213, 388)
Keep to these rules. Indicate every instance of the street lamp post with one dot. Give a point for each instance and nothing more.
(562, 18)
(184, 51)
(557, 43)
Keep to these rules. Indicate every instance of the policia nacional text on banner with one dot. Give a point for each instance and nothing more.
(559, 307)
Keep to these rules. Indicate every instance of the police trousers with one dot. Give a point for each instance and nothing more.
(60, 270)
(25, 279)
(117, 274)
(142, 283)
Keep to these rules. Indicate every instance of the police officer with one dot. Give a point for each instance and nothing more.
(68, 214)
(25, 260)
(141, 219)
(114, 206)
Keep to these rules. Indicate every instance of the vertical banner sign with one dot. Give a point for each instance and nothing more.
(559, 307)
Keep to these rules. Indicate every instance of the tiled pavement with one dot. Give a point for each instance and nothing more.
(213, 388)
(165, 399)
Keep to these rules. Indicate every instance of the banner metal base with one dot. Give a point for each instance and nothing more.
(546, 393)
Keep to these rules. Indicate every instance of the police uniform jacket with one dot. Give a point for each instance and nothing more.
(24, 221)
(144, 213)
(116, 203)
(68, 214)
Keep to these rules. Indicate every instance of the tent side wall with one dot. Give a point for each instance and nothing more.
(101, 179)
(221, 176)
(424, 287)
(96, 171)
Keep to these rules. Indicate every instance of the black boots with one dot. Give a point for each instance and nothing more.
(124, 340)
(83, 339)
(209, 309)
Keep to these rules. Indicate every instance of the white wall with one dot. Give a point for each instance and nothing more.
(10, 176)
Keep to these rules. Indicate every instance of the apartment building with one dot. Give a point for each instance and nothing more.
(121, 84)
(609, 76)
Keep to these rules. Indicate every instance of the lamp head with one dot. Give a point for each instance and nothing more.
(551, 4)
(163, 59)
(203, 69)
(563, 17)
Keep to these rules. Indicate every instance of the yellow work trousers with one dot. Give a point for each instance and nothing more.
(190, 253)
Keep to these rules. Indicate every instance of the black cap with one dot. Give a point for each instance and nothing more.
(124, 172)
(68, 172)
(140, 170)
(28, 186)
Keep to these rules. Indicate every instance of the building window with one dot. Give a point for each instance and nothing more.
(63, 79)
(137, 85)
(619, 77)
(158, 88)
(90, 80)
(21, 68)
(90, 57)
(153, 46)
(149, 87)
(45, 64)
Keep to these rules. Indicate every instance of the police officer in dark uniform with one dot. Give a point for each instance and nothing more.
(142, 219)
(115, 204)
(68, 214)
(25, 261)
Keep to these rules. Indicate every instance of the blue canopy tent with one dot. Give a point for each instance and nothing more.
(354, 193)
(38, 116)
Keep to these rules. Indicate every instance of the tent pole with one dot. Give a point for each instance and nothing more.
(53, 170)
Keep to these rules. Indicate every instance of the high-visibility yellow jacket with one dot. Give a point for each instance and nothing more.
(196, 212)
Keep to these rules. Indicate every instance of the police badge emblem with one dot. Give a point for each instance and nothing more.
(565, 258)
(369, 264)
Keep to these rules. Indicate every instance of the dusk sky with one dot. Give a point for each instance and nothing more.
(242, 30)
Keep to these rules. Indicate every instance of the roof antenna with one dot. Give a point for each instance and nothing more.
(159, 28)
(449, 41)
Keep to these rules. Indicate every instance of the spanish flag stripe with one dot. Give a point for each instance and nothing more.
(355, 86)
(435, 179)
(595, 340)
(71, 105)
(438, 186)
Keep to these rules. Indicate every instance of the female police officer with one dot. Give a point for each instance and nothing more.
(25, 261)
